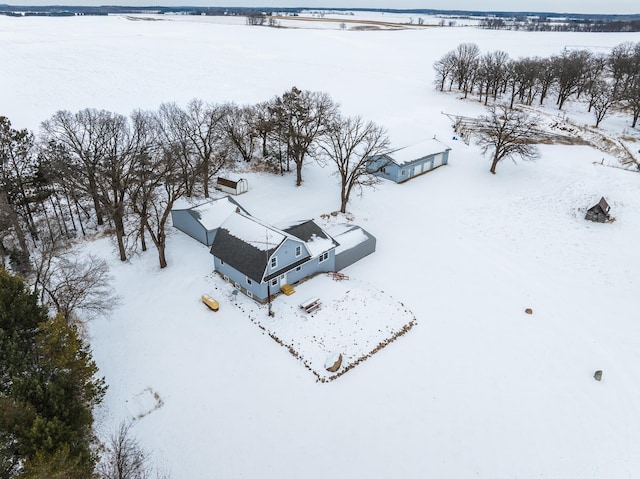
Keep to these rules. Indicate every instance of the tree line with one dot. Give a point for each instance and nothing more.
(604, 81)
(548, 24)
(96, 168)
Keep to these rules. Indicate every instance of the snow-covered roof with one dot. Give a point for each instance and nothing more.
(350, 238)
(214, 213)
(316, 239)
(318, 245)
(253, 232)
(409, 154)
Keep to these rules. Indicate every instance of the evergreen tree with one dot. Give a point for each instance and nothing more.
(48, 389)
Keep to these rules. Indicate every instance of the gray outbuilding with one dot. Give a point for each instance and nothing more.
(402, 164)
(202, 222)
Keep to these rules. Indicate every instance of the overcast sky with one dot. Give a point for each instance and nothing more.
(561, 6)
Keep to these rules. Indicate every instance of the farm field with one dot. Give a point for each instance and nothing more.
(477, 388)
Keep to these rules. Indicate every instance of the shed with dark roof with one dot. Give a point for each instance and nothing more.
(600, 212)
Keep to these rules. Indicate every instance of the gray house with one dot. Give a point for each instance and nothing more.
(259, 259)
(405, 163)
(201, 222)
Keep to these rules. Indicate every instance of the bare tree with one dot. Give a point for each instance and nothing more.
(125, 458)
(545, 77)
(622, 64)
(75, 284)
(239, 123)
(465, 65)
(507, 133)
(263, 125)
(204, 130)
(256, 18)
(301, 118)
(631, 99)
(15, 160)
(172, 125)
(496, 65)
(602, 98)
(82, 135)
(570, 69)
(349, 143)
(115, 172)
(444, 69)
(100, 147)
(158, 183)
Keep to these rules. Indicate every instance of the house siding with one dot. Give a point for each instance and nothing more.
(286, 254)
(349, 256)
(184, 221)
(260, 290)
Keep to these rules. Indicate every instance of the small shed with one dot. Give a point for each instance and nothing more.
(202, 222)
(232, 187)
(600, 212)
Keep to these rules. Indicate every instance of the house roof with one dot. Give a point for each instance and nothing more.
(315, 238)
(349, 236)
(246, 243)
(411, 153)
(214, 212)
(602, 204)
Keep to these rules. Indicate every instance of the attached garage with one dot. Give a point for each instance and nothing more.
(354, 243)
(202, 222)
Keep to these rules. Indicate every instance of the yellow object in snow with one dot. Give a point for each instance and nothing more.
(287, 289)
(210, 302)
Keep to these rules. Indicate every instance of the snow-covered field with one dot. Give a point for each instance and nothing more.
(477, 388)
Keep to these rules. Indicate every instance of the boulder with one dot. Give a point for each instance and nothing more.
(333, 363)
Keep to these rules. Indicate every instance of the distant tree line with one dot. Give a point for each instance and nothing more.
(96, 169)
(546, 24)
(603, 81)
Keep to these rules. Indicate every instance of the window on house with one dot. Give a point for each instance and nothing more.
(249, 280)
(274, 262)
(323, 257)
(221, 262)
(237, 285)
(298, 250)
(384, 170)
(402, 172)
(226, 278)
(274, 282)
(250, 294)
(298, 268)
